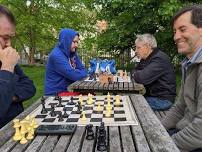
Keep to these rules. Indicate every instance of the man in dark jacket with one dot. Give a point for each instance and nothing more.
(155, 72)
(15, 86)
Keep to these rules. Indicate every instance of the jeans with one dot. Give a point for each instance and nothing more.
(158, 104)
(174, 130)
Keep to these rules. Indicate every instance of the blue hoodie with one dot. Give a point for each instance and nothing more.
(59, 70)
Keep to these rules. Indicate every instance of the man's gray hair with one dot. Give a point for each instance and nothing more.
(147, 39)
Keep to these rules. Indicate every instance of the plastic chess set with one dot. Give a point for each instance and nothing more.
(84, 110)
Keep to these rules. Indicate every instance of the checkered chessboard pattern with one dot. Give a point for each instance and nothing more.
(122, 114)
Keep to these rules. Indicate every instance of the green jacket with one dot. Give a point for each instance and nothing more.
(186, 114)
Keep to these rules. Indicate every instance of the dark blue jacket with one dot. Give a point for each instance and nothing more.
(157, 74)
(13, 84)
(59, 70)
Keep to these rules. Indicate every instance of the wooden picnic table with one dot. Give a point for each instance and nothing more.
(114, 87)
(148, 135)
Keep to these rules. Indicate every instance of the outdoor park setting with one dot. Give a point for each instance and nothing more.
(38, 23)
(111, 106)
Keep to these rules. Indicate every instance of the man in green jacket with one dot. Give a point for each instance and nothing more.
(184, 119)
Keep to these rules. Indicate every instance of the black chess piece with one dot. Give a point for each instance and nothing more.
(79, 108)
(65, 115)
(91, 77)
(56, 96)
(90, 133)
(78, 111)
(52, 113)
(94, 77)
(60, 117)
(60, 102)
(43, 99)
(44, 110)
(102, 130)
(71, 102)
(102, 146)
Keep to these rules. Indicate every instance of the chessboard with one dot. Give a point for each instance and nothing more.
(115, 79)
(70, 110)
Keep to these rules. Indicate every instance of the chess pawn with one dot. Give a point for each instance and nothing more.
(121, 73)
(27, 121)
(108, 114)
(81, 99)
(90, 99)
(108, 107)
(117, 100)
(99, 107)
(23, 139)
(33, 122)
(83, 116)
(23, 132)
(30, 133)
(108, 96)
(17, 135)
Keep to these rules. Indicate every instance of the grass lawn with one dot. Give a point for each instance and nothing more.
(37, 74)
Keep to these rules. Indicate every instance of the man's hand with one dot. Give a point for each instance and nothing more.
(9, 58)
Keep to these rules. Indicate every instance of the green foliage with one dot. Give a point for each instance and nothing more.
(127, 18)
(39, 23)
(36, 74)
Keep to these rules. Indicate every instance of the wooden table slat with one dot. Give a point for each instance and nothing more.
(127, 141)
(139, 137)
(125, 85)
(114, 138)
(111, 87)
(97, 85)
(21, 147)
(83, 85)
(8, 145)
(157, 136)
(116, 86)
(36, 144)
(91, 85)
(131, 87)
(49, 143)
(74, 85)
(120, 85)
(77, 139)
(63, 143)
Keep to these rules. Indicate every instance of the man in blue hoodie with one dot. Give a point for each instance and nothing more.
(64, 65)
(15, 86)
